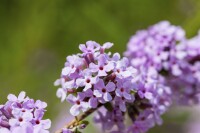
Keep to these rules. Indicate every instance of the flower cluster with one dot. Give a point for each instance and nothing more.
(22, 115)
(157, 47)
(95, 78)
(189, 80)
(175, 58)
(152, 99)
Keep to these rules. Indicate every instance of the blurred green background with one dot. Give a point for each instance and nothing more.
(37, 35)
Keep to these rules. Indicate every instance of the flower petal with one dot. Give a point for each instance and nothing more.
(61, 94)
(110, 87)
(12, 97)
(93, 102)
(74, 110)
(21, 96)
(127, 96)
(80, 82)
(97, 93)
(122, 106)
(107, 97)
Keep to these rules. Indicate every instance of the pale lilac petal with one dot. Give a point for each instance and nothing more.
(4, 130)
(116, 56)
(110, 87)
(13, 122)
(176, 70)
(107, 45)
(12, 97)
(27, 116)
(39, 129)
(118, 92)
(126, 73)
(21, 96)
(127, 85)
(57, 82)
(40, 104)
(100, 84)
(102, 60)
(80, 82)
(148, 95)
(66, 71)
(16, 112)
(71, 98)
(82, 48)
(84, 106)
(127, 96)
(87, 86)
(107, 97)
(93, 67)
(81, 96)
(94, 80)
(46, 124)
(61, 94)
(74, 110)
(122, 107)
(102, 73)
(69, 84)
(97, 93)
(93, 102)
(38, 114)
(109, 67)
(89, 93)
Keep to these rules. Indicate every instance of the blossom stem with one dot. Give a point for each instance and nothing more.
(77, 119)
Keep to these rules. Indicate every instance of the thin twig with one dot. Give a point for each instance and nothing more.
(77, 119)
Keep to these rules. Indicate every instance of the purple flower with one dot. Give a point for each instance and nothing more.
(78, 103)
(144, 92)
(104, 91)
(93, 100)
(123, 89)
(90, 47)
(86, 82)
(61, 94)
(13, 98)
(103, 66)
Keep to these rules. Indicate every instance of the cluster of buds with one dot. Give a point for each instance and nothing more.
(22, 115)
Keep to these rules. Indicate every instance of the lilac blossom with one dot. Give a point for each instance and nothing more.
(102, 67)
(123, 89)
(78, 103)
(102, 90)
(87, 82)
(93, 99)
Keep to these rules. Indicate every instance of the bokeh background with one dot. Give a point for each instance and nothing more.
(37, 35)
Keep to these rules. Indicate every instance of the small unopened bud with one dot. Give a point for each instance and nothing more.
(82, 126)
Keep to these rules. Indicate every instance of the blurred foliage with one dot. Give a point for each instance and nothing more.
(37, 35)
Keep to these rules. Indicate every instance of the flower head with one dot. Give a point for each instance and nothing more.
(22, 114)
